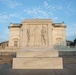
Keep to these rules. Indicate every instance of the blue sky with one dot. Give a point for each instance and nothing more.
(58, 10)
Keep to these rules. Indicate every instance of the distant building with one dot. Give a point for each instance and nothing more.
(37, 33)
(4, 44)
(68, 42)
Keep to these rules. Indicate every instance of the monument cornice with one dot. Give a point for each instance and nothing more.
(60, 26)
(13, 26)
(37, 20)
(37, 23)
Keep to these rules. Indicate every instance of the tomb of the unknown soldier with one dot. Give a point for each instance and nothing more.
(36, 39)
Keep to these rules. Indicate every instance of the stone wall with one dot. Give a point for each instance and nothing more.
(67, 53)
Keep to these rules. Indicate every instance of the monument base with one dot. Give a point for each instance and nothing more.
(37, 63)
(50, 53)
(37, 60)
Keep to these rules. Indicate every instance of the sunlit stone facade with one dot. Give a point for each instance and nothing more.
(37, 33)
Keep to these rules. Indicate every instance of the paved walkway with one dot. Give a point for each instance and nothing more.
(69, 69)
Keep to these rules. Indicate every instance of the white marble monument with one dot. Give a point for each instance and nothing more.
(36, 39)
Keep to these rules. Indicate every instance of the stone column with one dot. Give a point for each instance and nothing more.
(21, 34)
(50, 39)
(24, 35)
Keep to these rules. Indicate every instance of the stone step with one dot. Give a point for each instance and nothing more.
(51, 53)
(37, 63)
(37, 48)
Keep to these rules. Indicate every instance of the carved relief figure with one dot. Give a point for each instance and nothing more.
(36, 36)
(43, 35)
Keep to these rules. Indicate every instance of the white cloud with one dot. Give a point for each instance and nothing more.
(52, 7)
(3, 18)
(68, 7)
(11, 3)
(41, 13)
(15, 15)
(37, 12)
(46, 4)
